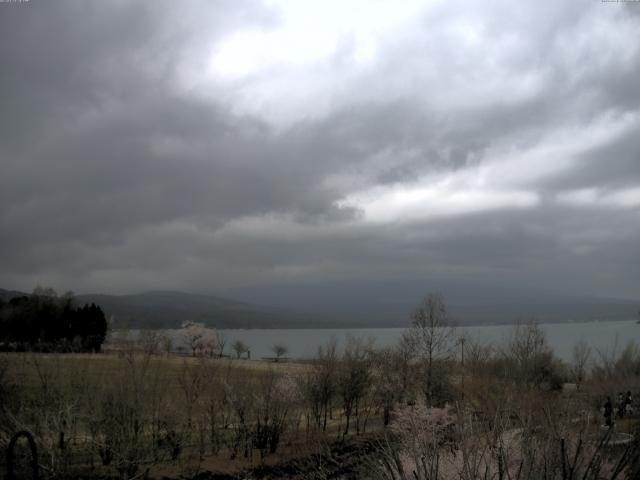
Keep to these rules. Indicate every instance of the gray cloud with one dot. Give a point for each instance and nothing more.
(464, 145)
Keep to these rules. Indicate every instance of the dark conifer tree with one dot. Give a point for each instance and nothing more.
(44, 321)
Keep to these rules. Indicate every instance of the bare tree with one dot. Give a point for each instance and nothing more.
(604, 366)
(628, 363)
(528, 340)
(166, 343)
(431, 336)
(476, 356)
(387, 368)
(279, 349)
(318, 386)
(405, 366)
(239, 347)
(529, 358)
(221, 342)
(191, 378)
(149, 341)
(273, 400)
(581, 356)
(238, 394)
(354, 378)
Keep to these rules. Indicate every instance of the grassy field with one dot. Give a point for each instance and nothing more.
(128, 414)
(31, 369)
(192, 403)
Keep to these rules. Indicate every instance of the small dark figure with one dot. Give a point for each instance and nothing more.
(627, 403)
(620, 404)
(608, 412)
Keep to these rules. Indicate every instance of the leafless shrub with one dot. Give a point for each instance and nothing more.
(412, 447)
(546, 442)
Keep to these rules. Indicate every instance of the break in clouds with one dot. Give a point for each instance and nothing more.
(230, 145)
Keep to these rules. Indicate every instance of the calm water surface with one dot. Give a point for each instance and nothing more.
(562, 337)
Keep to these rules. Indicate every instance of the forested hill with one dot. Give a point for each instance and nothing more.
(168, 309)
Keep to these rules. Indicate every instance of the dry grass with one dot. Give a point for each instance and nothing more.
(78, 385)
(30, 369)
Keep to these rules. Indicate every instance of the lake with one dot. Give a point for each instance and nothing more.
(303, 343)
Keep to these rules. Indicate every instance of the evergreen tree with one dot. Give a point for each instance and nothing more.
(45, 321)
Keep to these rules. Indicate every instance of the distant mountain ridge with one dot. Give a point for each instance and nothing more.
(345, 309)
(168, 309)
(391, 303)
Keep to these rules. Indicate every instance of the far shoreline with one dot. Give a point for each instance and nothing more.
(375, 327)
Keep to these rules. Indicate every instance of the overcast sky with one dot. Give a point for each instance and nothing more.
(216, 146)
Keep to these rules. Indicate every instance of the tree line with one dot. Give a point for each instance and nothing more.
(46, 321)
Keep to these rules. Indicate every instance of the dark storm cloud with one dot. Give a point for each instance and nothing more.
(477, 143)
